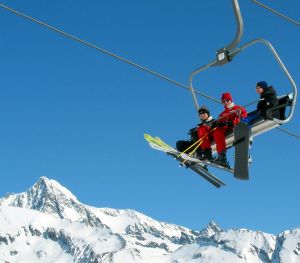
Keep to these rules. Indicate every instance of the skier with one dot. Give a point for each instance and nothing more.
(268, 99)
(231, 116)
(200, 133)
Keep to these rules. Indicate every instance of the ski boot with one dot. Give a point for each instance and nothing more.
(222, 160)
(205, 155)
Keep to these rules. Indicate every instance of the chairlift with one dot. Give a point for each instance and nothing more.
(225, 55)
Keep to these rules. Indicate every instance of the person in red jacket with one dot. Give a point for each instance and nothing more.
(204, 134)
(231, 116)
(201, 134)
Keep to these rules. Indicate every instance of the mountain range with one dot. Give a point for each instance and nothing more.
(48, 224)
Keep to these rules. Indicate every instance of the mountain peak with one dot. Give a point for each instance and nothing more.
(45, 195)
(49, 197)
(43, 180)
(213, 226)
(51, 186)
(211, 229)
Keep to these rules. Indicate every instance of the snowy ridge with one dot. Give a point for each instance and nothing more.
(42, 238)
(49, 197)
(47, 223)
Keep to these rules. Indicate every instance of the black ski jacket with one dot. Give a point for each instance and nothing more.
(268, 100)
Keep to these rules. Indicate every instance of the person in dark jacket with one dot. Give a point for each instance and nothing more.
(200, 133)
(268, 99)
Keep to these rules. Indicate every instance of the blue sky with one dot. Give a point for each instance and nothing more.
(78, 116)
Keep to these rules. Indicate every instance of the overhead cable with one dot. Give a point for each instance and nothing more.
(104, 51)
(289, 133)
(119, 57)
(297, 23)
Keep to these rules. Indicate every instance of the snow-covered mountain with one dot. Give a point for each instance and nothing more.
(48, 224)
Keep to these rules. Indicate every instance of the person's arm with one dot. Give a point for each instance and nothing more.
(240, 114)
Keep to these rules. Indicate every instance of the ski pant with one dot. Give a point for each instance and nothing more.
(181, 146)
(205, 137)
(219, 135)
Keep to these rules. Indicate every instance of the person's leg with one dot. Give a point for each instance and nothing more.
(219, 137)
(181, 146)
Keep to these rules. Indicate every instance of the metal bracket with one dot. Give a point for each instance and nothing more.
(223, 56)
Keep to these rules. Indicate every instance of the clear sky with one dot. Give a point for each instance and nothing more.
(78, 116)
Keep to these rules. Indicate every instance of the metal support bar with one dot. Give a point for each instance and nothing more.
(193, 74)
(277, 13)
(223, 54)
(240, 26)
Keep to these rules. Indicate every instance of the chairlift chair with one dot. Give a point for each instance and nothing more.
(225, 55)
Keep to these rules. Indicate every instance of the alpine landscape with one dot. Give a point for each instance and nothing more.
(47, 223)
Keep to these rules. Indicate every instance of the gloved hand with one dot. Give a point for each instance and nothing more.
(214, 124)
(229, 124)
(222, 124)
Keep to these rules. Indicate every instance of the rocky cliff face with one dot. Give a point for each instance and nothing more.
(48, 224)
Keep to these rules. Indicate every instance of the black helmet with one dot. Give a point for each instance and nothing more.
(203, 109)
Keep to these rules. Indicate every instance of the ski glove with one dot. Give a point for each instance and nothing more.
(214, 124)
(228, 124)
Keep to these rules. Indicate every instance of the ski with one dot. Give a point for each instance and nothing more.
(158, 144)
(206, 162)
(200, 170)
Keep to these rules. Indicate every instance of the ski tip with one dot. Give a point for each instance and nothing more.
(147, 136)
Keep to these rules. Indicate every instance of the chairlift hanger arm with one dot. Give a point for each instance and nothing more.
(223, 56)
(223, 53)
(240, 26)
(277, 13)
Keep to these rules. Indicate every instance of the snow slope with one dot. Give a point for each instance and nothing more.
(48, 224)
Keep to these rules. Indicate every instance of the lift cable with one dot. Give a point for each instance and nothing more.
(104, 51)
(297, 23)
(288, 132)
(119, 57)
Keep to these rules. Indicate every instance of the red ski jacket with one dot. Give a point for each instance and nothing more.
(234, 114)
